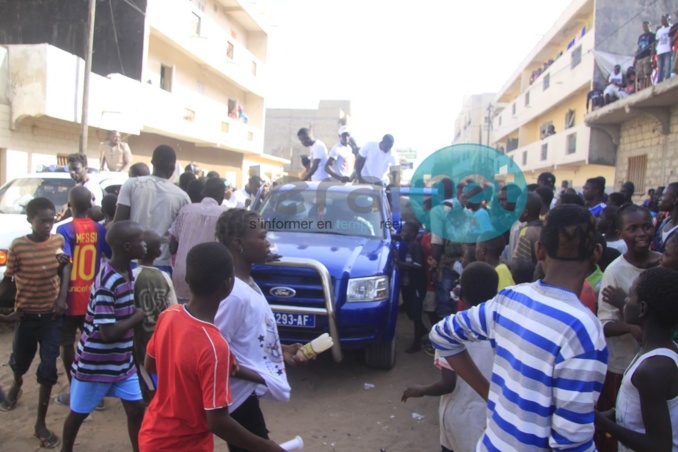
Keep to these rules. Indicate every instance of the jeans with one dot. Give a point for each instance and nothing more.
(663, 66)
(443, 288)
(34, 330)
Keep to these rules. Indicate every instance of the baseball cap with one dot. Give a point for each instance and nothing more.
(343, 130)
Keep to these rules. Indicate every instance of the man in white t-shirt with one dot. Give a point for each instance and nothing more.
(316, 171)
(375, 160)
(340, 162)
(663, 49)
(616, 83)
(153, 201)
(244, 197)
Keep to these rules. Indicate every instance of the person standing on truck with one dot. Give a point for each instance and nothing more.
(375, 161)
(316, 170)
(341, 159)
(246, 321)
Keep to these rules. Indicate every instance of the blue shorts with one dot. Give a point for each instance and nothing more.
(86, 395)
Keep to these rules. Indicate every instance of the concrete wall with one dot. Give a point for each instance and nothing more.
(282, 125)
(63, 23)
(641, 136)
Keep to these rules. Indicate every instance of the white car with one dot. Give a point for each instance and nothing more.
(16, 193)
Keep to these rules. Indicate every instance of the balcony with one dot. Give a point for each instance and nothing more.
(563, 81)
(198, 119)
(204, 41)
(47, 81)
(569, 147)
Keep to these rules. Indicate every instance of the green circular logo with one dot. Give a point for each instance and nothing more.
(477, 191)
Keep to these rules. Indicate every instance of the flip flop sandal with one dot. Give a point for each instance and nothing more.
(51, 442)
(9, 405)
(59, 400)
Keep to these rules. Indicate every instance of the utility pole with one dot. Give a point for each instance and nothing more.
(88, 69)
(489, 121)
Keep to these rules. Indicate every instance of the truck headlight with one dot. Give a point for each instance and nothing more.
(367, 289)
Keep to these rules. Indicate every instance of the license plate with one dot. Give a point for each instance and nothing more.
(303, 320)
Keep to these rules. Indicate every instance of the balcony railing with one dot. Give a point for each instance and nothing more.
(204, 40)
(198, 119)
(567, 147)
(564, 80)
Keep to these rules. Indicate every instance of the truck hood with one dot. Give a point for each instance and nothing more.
(344, 256)
(12, 226)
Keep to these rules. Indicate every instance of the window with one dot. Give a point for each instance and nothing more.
(569, 119)
(512, 144)
(229, 50)
(62, 159)
(200, 4)
(571, 143)
(166, 76)
(544, 151)
(576, 57)
(524, 158)
(636, 172)
(499, 120)
(250, 136)
(527, 99)
(195, 24)
(513, 108)
(200, 88)
(254, 68)
(189, 115)
(232, 108)
(225, 126)
(547, 81)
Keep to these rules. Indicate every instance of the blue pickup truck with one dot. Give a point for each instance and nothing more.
(337, 273)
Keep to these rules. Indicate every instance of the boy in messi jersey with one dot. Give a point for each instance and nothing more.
(84, 243)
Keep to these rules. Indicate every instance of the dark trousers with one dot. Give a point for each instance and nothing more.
(34, 330)
(249, 415)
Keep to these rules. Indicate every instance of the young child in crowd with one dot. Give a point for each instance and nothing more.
(194, 362)
(635, 226)
(488, 250)
(518, 322)
(153, 293)
(646, 414)
(607, 225)
(529, 234)
(103, 365)
(247, 323)
(668, 202)
(85, 243)
(413, 281)
(462, 410)
(41, 290)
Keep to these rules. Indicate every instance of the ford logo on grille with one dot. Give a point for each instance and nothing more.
(283, 292)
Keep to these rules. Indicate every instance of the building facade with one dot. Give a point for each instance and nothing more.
(473, 123)
(539, 112)
(644, 126)
(174, 72)
(282, 125)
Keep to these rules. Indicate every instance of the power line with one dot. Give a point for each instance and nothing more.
(139, 10)
(115, 36)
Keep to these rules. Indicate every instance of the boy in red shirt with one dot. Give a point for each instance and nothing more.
(84, 243)
(193, 362)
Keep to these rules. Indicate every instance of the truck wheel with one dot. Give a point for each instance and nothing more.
(381, 355)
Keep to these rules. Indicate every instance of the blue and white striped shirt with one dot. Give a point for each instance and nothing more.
(549, 366)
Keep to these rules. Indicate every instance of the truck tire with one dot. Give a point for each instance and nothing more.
(381, 355)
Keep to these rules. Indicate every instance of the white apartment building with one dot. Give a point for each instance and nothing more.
(471, 125)
(190, 65)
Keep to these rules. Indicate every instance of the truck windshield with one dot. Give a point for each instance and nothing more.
(357, 213)
(16, 194)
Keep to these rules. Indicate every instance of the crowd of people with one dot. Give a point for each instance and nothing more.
(581, 316)
(552, 326)
(655, 60)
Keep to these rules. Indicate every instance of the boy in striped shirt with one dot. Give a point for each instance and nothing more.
(550, 353)
(42, 286)
(103, 363)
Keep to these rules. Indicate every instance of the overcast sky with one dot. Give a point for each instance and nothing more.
(405, 65)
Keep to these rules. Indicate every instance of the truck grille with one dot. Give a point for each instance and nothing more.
(304, 281)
